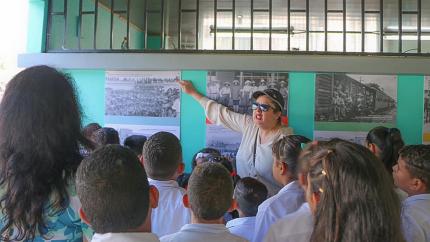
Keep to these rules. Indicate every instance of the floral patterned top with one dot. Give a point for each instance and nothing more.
(65, 225)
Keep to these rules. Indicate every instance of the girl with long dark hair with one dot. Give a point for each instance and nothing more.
(352, 196)
(385, 143)
(40, 122)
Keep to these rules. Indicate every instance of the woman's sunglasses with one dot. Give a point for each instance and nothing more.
(263, 107)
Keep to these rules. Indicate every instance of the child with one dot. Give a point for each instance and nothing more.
(202, 156)
(135, 143)
(105, 136)
(351, 196)
(115, 195)
(249, 193)
(412, 175)
(297, 226)
(86, 146)
(210, 192)
(285, 154)
(198, 158)
(385, 143)
(89, 129)
(162, 159)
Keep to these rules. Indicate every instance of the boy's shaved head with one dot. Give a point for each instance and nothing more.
(210, 191)
(162, 154)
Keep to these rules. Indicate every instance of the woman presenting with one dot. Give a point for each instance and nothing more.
(259, 131)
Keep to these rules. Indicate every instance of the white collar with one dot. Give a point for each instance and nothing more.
(125, 237)
(294, 185)
(240, 221)
(168, 183)
(206, 228)
(425, 196)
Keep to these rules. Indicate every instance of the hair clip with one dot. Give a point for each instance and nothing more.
(321, 190)
(324, 173)
(302, 145)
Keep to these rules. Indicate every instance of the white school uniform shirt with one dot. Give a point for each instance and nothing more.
(295, 227)
(202, 232)
(286, 201)
(243, 227)
(171, 214)
(125, 237)
(416, 218)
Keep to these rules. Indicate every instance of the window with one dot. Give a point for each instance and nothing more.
(340, 26)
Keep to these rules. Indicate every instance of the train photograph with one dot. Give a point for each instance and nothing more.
(355, 98)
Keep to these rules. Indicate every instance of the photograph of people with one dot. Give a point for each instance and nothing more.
(144, 94)
(355, 98)
(259, 131)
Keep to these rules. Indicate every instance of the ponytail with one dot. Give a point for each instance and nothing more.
(389, 141)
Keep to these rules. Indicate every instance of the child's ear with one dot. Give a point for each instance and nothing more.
(142, 160)
(284, 168)
(153, 196)
(233, 205)
(83, 216)
(186, 201)
(316, 197)
(181, 168)
(278, 166)
(372, 147)
(418, 186)
(303, 180)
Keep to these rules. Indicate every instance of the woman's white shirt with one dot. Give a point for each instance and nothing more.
(262, 170)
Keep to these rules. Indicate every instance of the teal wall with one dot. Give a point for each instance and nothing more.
(90, 85)
(302, 92)
(90, 88)
(193, 125)
(410, 107)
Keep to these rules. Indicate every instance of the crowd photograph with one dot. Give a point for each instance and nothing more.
(148, 97)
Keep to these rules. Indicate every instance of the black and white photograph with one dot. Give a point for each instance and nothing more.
(125, 130)
(149, 94)
(234, 89)
(427, 100)
(351, 136)
(142, 102)
(355, 98)
(224, 140)
(426, 128)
